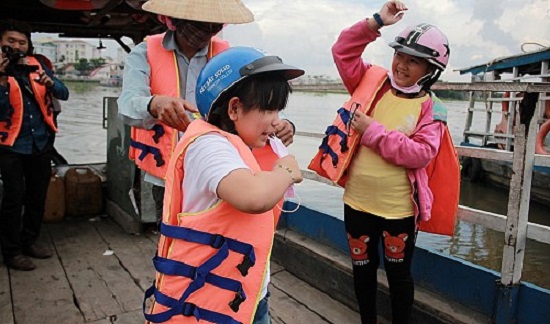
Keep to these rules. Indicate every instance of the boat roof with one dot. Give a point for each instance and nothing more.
(527, 63)
(84, 18)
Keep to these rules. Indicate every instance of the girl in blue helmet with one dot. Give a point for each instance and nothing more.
(400, 129)
(220, 203)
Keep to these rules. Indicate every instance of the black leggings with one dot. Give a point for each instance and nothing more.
(364, 231)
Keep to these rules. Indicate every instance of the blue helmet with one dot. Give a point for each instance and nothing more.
(231, 66)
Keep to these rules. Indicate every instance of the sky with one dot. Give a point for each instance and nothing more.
(302, 32)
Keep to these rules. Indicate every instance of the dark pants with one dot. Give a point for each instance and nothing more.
(25, 184)
(158, 197)
(365, 231)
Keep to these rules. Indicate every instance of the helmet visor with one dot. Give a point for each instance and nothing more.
(271, 64)
(413, 49)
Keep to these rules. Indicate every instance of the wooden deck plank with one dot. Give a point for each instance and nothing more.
(284, 309)
(101, 285)
(134, 251)
(133, 317)
(6, 314)
(318, 303)
(44, 293)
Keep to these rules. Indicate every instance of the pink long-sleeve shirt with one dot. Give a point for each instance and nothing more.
(413, 152)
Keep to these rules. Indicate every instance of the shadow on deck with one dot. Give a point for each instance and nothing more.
(99, 274)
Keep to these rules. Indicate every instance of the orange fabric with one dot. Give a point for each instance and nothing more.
(373, 80)
(16, 100)
(444, 182)
(266, 159)
(257, 230)
(165, 81)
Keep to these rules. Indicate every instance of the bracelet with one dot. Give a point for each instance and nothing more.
(378, 19)
(287, 170)
(149, 106)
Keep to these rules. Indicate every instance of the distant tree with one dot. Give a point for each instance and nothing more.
(83, 66)
(96, 62)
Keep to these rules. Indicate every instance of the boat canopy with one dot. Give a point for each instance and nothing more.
(84, 18)
(526, 63)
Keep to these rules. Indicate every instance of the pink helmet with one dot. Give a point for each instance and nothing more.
(424, 41)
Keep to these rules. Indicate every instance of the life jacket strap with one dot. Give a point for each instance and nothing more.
(3, 136)
(180, 307)
(147, 149)
(176, 268)
(345, 116)
(202, 273)
(214, 240)
(159, 132)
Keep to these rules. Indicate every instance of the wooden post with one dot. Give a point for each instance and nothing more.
(470, 116)
(515, 234)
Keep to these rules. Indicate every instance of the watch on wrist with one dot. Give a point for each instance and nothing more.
(378, 19)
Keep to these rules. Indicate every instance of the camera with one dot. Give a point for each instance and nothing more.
(13, 57)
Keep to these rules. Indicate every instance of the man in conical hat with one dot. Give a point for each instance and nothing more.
(160, 74)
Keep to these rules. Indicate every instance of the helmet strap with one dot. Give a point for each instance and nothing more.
(426, 84)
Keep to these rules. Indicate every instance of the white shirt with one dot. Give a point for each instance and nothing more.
(207, 161)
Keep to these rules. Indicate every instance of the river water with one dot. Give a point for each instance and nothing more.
(82, 139)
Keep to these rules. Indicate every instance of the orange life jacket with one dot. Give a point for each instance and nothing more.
(338, 148)
(444, 182)
(211, 264)
(10, 128)
(151, 149)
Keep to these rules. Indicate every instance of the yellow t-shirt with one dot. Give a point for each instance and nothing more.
(376, 186)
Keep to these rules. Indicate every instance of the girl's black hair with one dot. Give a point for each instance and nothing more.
(265, 91)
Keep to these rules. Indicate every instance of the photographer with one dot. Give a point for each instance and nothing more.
(27, 89)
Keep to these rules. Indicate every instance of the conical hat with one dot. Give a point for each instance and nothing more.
(215, 11)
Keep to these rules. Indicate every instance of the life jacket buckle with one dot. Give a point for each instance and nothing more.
(245, 265)
(236, 303)
(159, 132)
(160, 161)
(217, 241)
(188, 309)
(344, 145)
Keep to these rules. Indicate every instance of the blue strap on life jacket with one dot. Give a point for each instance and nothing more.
(147, 149)
(200, 274)
(176, 268)
(214, 240)
(3, 136)
(183, 308)
(345, 116)
(159, 132)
